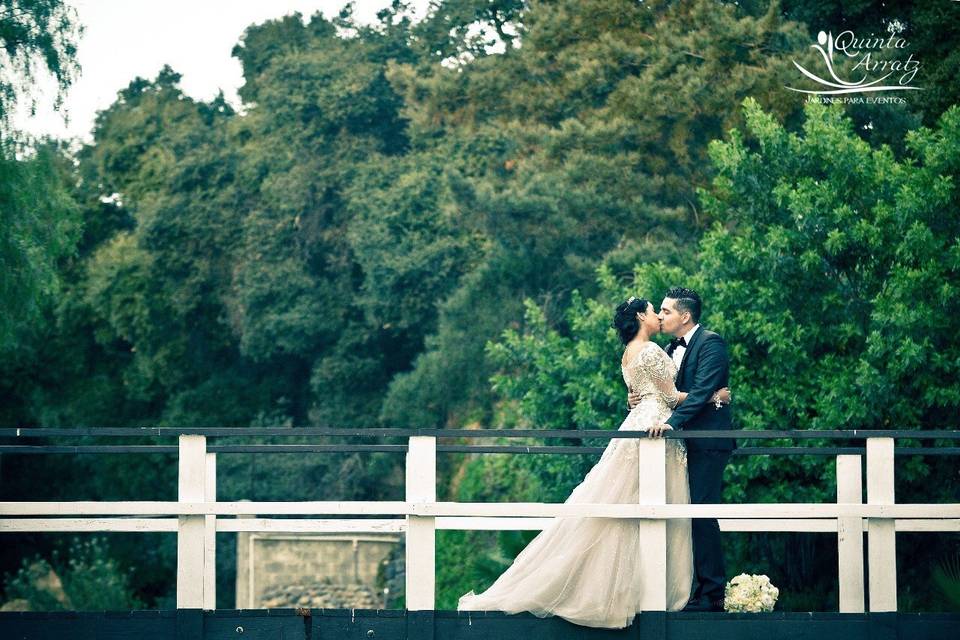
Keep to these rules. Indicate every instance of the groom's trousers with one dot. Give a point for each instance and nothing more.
(705, 471)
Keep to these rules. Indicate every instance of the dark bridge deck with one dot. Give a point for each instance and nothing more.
(289, 624)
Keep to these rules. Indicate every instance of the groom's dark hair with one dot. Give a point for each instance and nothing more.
(687, 300)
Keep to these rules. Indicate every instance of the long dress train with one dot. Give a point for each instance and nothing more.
(589, 570)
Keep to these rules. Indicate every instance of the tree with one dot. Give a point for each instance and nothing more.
(38, 222)
(828, 265)
(587, 139)
(323, 120)
(35, 33)
(834, 261)
(39, 225)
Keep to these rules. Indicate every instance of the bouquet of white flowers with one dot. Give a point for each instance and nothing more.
(750, 593)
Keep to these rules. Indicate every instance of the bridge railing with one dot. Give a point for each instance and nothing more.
(197, 515)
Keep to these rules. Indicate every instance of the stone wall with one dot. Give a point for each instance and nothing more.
(299, 563)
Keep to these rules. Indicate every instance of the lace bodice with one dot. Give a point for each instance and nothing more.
(651, 374)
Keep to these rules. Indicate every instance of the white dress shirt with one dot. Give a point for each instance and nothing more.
(679, 352)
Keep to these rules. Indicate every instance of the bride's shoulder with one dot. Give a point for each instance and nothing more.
(655, 352)
(640, 354)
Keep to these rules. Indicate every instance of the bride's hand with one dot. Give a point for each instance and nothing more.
(658, 430)
(721, 397)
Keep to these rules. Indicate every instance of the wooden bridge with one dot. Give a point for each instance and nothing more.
(866, 608)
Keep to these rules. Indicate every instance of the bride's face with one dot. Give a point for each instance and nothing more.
(649, 320)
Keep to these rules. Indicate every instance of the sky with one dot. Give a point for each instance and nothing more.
(124, 39)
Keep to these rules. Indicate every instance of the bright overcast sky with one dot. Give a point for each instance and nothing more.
(129, 38)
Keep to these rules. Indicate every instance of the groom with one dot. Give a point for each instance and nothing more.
(702, 368)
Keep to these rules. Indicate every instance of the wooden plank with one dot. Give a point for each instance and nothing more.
(420, 625)
(72, 625)
(774, 433)
(504, 509)
(243, 592)
(882, 547)
(446, 448)
(256, 625)
(467, 523)
(850, 535)
(315, 525)
(210, 535)
(808, 525)
(190, 534)
(652, 480)
(421, 485)
(189, 621)
(778, 511)
(450, 625)
(399, 448)
(199, 507)
(392, 525)
(797, 525)
(64, 525)
(929, 525)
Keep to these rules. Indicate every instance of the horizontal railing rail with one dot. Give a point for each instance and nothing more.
(384, 432)
(402, 448)
(197, 515)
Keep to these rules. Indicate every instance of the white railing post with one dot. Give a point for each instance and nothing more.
(881, 532)
(245, 574)
(210, 536)
(850, 535)
(653, 533)
(190, 529)
(421, 481)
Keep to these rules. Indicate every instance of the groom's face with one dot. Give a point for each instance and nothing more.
(671, 321)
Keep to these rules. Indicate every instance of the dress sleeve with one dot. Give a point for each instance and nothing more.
(656, 364)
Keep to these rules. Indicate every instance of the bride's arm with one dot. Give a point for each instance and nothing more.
(657, 366)
(721, 396)
(655, 361)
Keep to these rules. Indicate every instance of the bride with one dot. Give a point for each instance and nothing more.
(588, 570)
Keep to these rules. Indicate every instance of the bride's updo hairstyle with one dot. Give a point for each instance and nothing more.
(625, 319)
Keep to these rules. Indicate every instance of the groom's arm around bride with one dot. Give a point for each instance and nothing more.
(704, 370)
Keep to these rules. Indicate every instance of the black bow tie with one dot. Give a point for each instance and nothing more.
(677, 342)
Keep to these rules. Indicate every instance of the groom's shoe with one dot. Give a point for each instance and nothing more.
(716, 606)
(703, 605)
(696, 605)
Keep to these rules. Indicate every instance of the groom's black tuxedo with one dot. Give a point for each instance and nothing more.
(704, 369)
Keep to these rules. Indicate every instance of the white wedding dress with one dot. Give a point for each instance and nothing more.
(589, 570)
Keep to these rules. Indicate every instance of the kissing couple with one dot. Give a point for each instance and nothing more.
(589, 570)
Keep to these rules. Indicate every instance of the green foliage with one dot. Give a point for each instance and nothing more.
(89, 580)
(580, 143)
(946, 576)
(39, 226)
(862, 236)
(35, 34)
(834, 263)
(828, 264)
